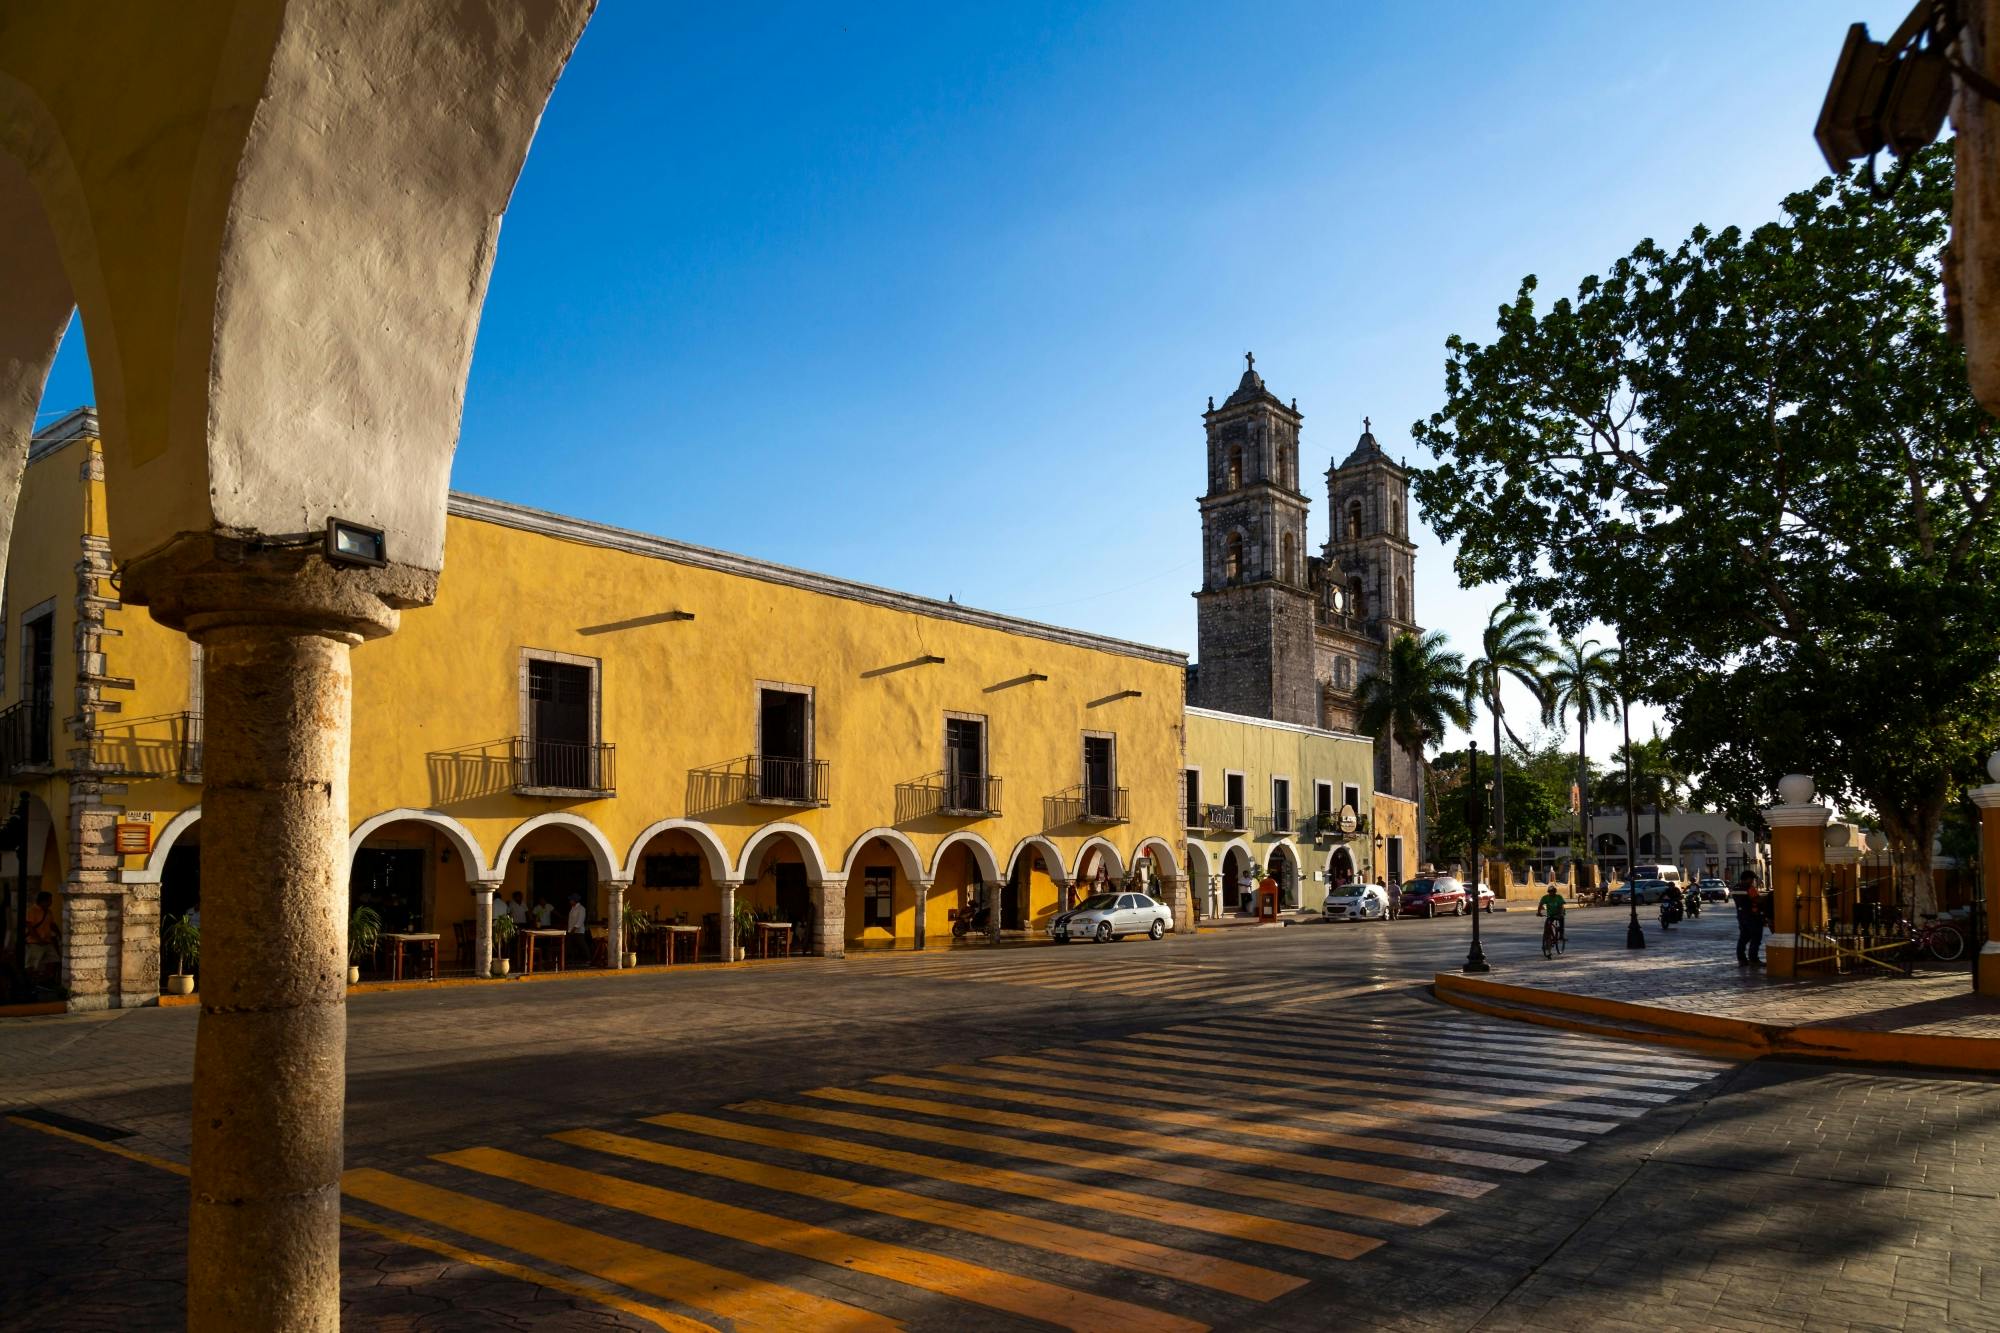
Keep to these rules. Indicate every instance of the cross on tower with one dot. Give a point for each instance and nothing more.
(1249, 361)
(1366, 428)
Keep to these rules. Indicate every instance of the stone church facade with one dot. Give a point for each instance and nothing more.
(1284, 633)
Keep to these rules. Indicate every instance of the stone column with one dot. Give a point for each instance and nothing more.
(1181, 901)
(1986, 962)
(276, 625)
(833, 918)
(482, 928)
(727, 930)
(1798, 855)
(614, 922)
(922, 889)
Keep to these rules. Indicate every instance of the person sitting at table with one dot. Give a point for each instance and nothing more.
(545, 914)
(579, 936)
(518, 909)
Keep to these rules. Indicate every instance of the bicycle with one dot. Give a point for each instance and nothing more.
(1555, 937)
(1937, 939)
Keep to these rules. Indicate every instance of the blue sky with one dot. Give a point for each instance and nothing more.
(934, 296)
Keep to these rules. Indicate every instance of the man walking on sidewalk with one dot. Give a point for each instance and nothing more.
(1749, 920)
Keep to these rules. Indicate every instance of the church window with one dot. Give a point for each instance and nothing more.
(1402, 598)
(1232, 558)
(1290, 558)
(1396, 517)
(1355, 605)
(1354, 519)
(1235, 466)
(1285, 476)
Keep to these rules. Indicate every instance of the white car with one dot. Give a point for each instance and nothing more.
(1357, 902)
(1105, 917)
(1485, 900)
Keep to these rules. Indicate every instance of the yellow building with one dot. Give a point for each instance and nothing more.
(1259, 795)
(595, 712)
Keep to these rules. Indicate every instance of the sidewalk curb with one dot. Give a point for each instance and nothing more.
(1707, 1033)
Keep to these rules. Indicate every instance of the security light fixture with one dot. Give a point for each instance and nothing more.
(355, 543)
(1895, 94)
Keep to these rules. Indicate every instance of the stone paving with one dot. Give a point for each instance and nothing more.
(1693, 968)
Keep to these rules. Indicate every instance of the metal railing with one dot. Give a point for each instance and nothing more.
(1277, 824)
(960, 795)
(166, 746)
(1087, 804)
(1328, 825)
(548, 766)
(24, 735)
(757, 779)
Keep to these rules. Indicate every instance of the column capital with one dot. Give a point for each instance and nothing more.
(204, 581)
(1809, 815)
(1986, 797)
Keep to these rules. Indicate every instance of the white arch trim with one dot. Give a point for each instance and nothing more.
(1291, 853)
(712, 850)
(459, 835)
(1234, 845)
(982, 852)
(1198, 867)
(156, 862)
(815, 859)
(1052, 857)
(1101, 845)
(608, 866)
(906, 854)
(1172, 866)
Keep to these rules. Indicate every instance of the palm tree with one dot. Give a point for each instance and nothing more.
(1656, 781)
(1514, 645)
(1584, 681)
(1410, 702)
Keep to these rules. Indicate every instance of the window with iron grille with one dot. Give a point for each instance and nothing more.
(878, 897)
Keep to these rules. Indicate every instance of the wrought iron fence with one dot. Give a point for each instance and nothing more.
(1277, 824)
(562, 766)
(1086, 804)
(1855, 920)
(757, 779)
(964, 795)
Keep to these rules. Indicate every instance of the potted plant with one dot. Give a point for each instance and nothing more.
(503, 936)
(364, 932)
(636, 923)
(183, 940)
(746, 924)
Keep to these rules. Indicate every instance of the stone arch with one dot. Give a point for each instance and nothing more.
(1402, 598)
(809, 852)
(1232, 558)
(1199, 869)
(712, 850)
(459, 835)
(1357, 604)
(1353, 519)
(1235, 467)
(1283, 865)
(1165, 858)
(1052, 858)
(1101, 845)
(1289, 557)
(982, 852)
(156, 860)
(905, 850)
(606, 860)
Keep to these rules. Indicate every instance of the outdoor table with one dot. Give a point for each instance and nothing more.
(772, 933)
(531, 938)
(674, 937)
(427, 951)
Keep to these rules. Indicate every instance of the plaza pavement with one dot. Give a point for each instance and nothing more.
(1254, 1129)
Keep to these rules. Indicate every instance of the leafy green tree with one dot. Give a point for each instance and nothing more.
(1514, 645)
(1757, 456)
(1418, 692)
(1584, 681)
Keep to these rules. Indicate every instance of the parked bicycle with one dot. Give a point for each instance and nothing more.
(1937, 939)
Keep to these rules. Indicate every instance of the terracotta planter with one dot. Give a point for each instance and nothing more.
(354, 976)
(502, 966)
(180, 984)
(631, 960)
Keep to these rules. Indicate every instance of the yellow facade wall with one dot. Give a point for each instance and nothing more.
(1396, 818)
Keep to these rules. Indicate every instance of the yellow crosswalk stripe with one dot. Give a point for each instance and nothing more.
(1234, 1122)
(749, 1303)
(1376, 1053)
(1237, 1152)
(1225, 1275)
(1146, 1207)
(1406, 1105)
(1555, 1049)
(1031, 1298)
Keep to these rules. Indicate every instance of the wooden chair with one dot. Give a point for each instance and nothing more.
(462, 936)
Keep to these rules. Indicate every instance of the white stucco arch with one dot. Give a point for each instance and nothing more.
(608, 865)
(982, 852)
(906, 854)
(1170, 864)
(713, 853)
(1112, 854)
(476, 866)
(1199, 869)
(163, 842)
(1235, 845)
(1052, 857)
(809, 852)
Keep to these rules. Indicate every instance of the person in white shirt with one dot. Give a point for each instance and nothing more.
(518, 909)
(579, 937)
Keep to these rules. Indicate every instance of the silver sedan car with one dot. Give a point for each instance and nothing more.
(1105, 917)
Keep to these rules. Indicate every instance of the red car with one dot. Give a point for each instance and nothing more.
(1434, 895)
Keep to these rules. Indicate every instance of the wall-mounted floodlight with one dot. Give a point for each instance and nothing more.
(1895, 94)
(355, 543)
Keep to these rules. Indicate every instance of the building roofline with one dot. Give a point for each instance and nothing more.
(1218, 715)
(75, 424)
(586, 532)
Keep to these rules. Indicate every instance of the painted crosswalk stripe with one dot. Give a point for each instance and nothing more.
(1333, 1244)
(1224, 1275)
(976, 1284)
(1378, 1053)
(1576, 1057)
(1556, 1049)
(1274, 1058)
(1236, 1121)
(1327, 1097)
(749, 1303)
(1231, 1151)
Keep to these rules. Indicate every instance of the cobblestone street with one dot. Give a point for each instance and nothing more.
(1248, 1129)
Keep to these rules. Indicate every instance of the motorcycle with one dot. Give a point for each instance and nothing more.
(1693, 905)
(1670, 912)
(964, 923)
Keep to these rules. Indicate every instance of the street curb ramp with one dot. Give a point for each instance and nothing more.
(1710, 1034)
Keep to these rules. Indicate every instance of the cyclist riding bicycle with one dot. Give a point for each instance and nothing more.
(1556, 909)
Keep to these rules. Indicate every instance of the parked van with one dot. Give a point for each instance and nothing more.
(1671, 874)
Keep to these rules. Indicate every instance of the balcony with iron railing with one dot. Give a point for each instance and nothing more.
(1328, 826)
(136, 749)
(949, 795)
(562, 768)
(26, 736)
(758, 779)
(1086, 804)
(1277, 824)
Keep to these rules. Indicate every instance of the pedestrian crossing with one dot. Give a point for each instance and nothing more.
(1171, 1179)
(1138, 974)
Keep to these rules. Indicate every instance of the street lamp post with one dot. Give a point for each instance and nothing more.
(1635, 934)
(1475, 957)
